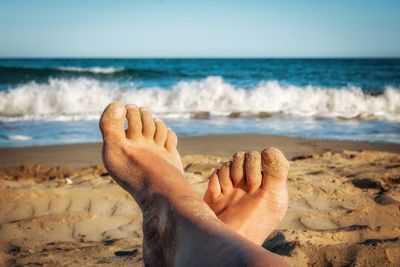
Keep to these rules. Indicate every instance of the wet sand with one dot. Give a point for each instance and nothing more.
(344, 203)
(81, 155)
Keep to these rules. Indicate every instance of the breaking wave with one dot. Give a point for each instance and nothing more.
(19, 137)
(103, 70)
(85, 98)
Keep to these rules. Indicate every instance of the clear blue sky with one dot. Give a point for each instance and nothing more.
(202, 28)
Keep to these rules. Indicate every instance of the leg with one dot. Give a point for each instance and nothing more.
(179, 228)
(249, 193)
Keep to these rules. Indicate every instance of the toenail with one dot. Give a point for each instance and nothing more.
(119, 112)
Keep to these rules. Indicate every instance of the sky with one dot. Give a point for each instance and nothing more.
(203, 28)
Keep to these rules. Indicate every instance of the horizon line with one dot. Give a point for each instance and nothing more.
(212, 57)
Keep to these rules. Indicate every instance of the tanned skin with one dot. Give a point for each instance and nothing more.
(179, 228)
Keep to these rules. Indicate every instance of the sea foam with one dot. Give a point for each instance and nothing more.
(84, 99)
(19, 137)
(102, 70)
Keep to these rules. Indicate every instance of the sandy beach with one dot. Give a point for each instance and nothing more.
(319, 81)
(59, 206)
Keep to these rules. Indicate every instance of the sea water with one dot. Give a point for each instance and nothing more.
(59, 101)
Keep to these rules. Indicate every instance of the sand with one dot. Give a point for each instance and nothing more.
(59, 207)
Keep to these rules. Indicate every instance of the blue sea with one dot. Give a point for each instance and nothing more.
(59, 101)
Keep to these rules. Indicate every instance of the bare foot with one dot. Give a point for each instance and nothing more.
(143, 159)
(144, 138)
(249, 193)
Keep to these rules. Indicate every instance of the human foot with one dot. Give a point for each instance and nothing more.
(249, 193)
(144, 138)
(143, 159)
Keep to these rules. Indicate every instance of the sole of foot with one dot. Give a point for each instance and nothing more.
(129, 153)
(144, 160)
(249, 193)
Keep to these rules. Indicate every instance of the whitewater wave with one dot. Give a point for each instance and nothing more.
(84, 99)
(15, 75)
(19, 137)
(102, 70)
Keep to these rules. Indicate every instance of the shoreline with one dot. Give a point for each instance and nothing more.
(87, 154)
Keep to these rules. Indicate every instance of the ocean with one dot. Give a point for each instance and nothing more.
(59, 101)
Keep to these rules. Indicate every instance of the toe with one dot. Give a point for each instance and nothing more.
(275, 168)
(112, 123)
(172, 140)
(213, 190)
(161, 132)
(224, 178)
(134, 122)
(237, 173)
(148, 127)
(253, 170)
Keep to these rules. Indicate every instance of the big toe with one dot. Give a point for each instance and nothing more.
(275, 168)
(112, 122)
